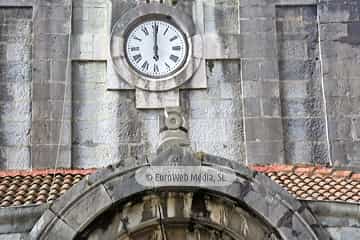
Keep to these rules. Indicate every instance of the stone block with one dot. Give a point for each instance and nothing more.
(221, 17)
(54, 26)
(199, 79)
(79, 215)
(15, 72)
(335, 11)
(344, 232)
(86, 111)
(252, 107)
(84, 156)
(49, 91)
(233, 151)
(84, 133)
(15, 111)
(15, 157)
(258, 129)
(342, 69)
(265, 152)
(340, 128)
(51, 110)
(307, 129)
(60, 230)
(112, 154)
(257, 11)
(60, 132)
(81, 47)
(151, 134)
(261, 89)
(298, 69)
(18, 51)
(293, 49)
(219, 71)
(355, 126)
(251, 26)
(110, 131)
(156, 100)
(331, 31)
(86, 92)
(11, 236)
(50, 156)
(306, 152)
(271, 106)
(51, 46)
(215, 109)
(15, 91)
(346, 153)
(335, 52)
(221, 46)
(258, 46)
(114, 81)
(260, 69)
(41, 70)
(15, 133)
(303, 107)
(339, 106)
(85, 71)
(58, 12)
(59, 71)
(100, 52)
(25, 217)
(219, 130)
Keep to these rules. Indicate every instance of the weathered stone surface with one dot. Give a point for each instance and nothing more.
(51, 227)
(19, 220)
(15, 87)
(272, 89)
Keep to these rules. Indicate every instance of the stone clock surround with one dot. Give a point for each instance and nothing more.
(160, 94)
(145, 83)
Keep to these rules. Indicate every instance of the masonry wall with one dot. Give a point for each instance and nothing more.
(15, 86)
(287, 93)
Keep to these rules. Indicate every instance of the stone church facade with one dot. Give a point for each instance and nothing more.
(268, 93)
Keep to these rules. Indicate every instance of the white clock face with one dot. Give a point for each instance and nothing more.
(156, 49)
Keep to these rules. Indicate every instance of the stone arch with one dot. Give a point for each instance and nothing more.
(72, 213)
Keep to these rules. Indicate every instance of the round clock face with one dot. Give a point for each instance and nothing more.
(156, 49)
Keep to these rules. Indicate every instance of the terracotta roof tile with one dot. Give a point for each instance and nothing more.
(36, 187)
(305, 182)
(309, 182)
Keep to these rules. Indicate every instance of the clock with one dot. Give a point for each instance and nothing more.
(156, 48)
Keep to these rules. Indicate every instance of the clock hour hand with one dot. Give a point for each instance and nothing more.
(156, 47)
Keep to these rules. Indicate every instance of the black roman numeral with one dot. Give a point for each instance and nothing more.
(137, 58)
(166, 30)
(144, 29)
(156, 68)
(174, 58)
(176, 48)
(167, 65)
(173, 38)
(145, 66)
(133, 49)
(136, 38)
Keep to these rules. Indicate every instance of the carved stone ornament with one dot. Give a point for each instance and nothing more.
(147, 15)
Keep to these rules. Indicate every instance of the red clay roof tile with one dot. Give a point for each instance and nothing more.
(305, 182)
